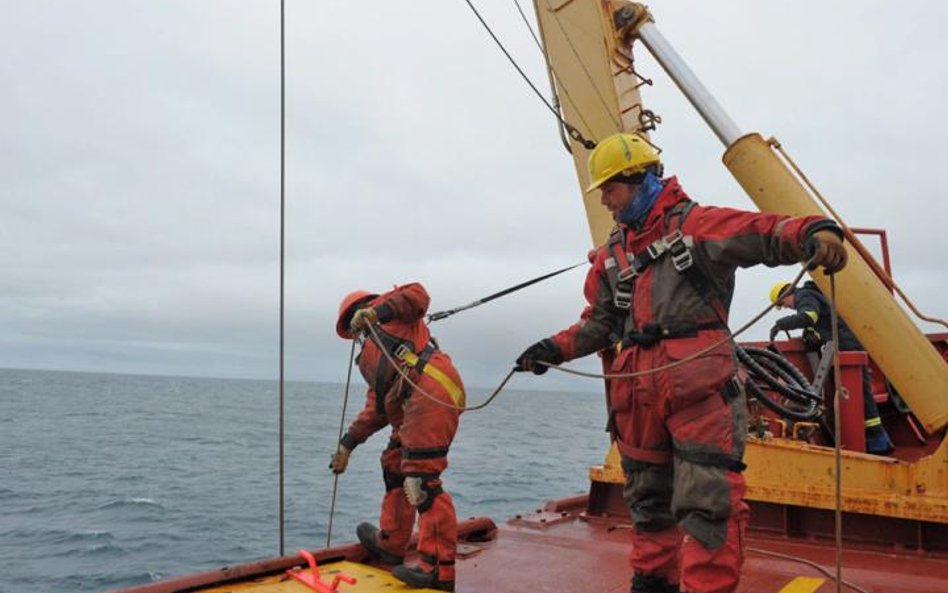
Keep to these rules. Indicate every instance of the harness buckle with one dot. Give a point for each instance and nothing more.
(628, 273)
(679, 251)
(622, 300)
(683, 260)
(401, 352)
(656, 248)
(672, 238)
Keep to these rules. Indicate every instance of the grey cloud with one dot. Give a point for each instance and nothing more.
(141, 158)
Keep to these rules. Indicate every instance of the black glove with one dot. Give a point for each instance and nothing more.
(543, 351)
(812, 340)
(798, 320)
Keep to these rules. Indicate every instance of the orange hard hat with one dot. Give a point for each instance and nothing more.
(346, 310)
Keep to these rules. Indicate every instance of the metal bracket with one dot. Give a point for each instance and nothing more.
(821, 374)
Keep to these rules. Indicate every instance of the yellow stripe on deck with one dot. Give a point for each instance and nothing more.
(369, 580)
(803, 585)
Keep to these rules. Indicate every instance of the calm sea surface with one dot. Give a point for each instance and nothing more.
(114, 480)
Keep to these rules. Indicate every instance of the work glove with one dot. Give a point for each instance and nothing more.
(363, 318)
(340, 459)
(543, 351)
(785, 324)
(825, 249)
(812, 340)
(414, 492)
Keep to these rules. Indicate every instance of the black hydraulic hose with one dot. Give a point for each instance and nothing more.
(780, 375)
(791, 378)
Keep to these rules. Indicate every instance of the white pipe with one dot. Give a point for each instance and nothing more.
(712, 113)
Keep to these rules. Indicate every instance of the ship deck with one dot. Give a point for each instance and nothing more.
(563, 549)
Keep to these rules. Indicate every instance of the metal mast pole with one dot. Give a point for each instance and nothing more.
(709, 109)
(282, 241)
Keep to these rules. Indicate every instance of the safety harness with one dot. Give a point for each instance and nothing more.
(621, 271)
(403, 350)
(623, 268)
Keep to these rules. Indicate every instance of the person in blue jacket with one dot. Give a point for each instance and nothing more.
(813, 316)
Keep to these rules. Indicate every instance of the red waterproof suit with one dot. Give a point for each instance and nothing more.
(422, 430)
(681, 432)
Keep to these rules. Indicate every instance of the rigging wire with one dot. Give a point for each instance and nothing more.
(403, 376)
(282, 243)
(574, 133)
(529, 27)
(884, 276)
(837, 429)
(342, 421)
(444, 314)
(809, 563)
(554, 78)
(579, 59)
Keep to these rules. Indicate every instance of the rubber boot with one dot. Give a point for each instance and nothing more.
(878, 441)
(368, 535)
(414, 576)
(647, 583)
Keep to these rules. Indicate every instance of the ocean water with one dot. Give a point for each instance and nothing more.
(111, 480)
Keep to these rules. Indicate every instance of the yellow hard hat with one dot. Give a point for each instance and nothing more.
(619, 154)
(778, 290)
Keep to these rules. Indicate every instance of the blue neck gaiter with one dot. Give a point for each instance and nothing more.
(646, 195)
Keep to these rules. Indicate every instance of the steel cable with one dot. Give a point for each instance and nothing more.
(553, 76)
(282, 254)
(837, 429)
(809, 563)
(342, 422)
(572, 130)
(589, 77)
(886, 279)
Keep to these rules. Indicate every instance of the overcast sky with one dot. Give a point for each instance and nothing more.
(139, 178)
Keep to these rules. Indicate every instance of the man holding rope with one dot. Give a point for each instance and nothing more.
(658, 294)
(423, 413)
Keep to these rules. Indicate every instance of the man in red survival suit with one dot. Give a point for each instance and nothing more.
(423, 423)
(658, 292)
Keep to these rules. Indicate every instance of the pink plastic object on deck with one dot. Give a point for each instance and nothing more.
(311, 579)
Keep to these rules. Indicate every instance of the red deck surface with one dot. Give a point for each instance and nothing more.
(562, 550)
(589, 557)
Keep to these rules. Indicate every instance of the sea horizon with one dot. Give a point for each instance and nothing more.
(117, 479)
(358, 384)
